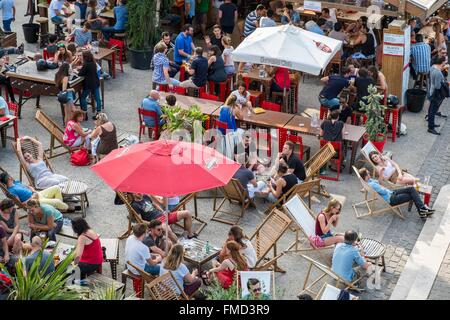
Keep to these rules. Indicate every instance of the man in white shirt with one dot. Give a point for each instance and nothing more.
(55, 12)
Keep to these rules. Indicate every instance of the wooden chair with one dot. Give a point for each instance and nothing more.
(133, 216)
(324, 271)
(301, 189)
(317, 161)
(235, 194)
(166, 287)
(265, 239)
(145, 277)
(304, 221)
(329, 292)
(56, 134)
(30, 147)
(337, 145)
(371, 197)
(182, 206)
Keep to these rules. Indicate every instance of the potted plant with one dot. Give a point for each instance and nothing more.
(30, 29)
(376, 128)
(182, 119)
(143, 31)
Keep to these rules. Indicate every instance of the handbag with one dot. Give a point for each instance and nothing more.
(63, 97)
(80, 158)
(444, 91)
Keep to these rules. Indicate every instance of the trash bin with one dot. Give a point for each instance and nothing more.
(30, 32)
(415, 99)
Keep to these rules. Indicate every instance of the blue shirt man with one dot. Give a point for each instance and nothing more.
(20, 191)
(421, 55)
(311, 26)
(151, 103)
(294, 16)
(83, 36)
(121, 16)
(183, 45)
(8, 13)
(4, 110)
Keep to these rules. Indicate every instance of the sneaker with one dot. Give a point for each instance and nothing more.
(21, 48)
(428, 208)
(425, 212)
(423, 216)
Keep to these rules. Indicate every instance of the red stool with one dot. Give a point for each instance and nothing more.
(14, 109)
(162, 87)
(223, 89)
(270, 106)
(179, 90)
(395, 114)
(337, 145)
(182, 74)
(282, 134)
(323, 112)
(356, 118)
(204, 95)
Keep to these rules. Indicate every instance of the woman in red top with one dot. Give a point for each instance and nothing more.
(326, 220)
(226, 271)
(88, 254)
(280, 80)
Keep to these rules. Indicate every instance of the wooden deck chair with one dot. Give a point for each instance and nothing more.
(13, 198)
(56, 134)
(182, 206)
(324, 272)
(146, 277)
(133, 216)
(317, 161)
(305, 224)
(165, 287)
(235, 194)
(29, 146)
(301, 189)
(265, 238)
(371, 197)
(329, 292)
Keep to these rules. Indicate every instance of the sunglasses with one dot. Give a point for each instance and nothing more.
(255, 290)
(159, 229)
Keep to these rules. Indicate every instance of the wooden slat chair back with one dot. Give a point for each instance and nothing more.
(324, 272)
(265, 238)
(30, 147)
(305, 221)
(133, 216)
(56, 133)
(182, 206)
(146, 277)
(371, 197)
(235, 194)
(301, 189)
(165, 288)
(317, 161)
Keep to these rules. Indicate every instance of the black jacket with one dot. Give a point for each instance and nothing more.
(89, 72)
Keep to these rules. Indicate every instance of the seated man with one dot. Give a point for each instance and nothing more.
(198, 70)
(121, 18)
(149, 210)
(44, 218)
(246, 177)
(51, 196)
(36, 249)
(12, 50)
(289, 15)
(334, 84)
(294, 164)
(139, 254)
(397, 196)
(155, 239)
(282, 183)
(82, 36)
(151, 103)
(318, 27)
(248, 147)
(346, 254)
(55, 8)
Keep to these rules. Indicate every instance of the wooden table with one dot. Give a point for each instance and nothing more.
(194, 252)
(112, 254)
(374, 250)
(76, 188)
(352, 134)
(108, 55)
(4, 125)
(108, 14)
(39, 83)
(62, 251)
(207, 107)
(265, 82)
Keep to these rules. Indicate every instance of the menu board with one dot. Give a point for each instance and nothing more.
(312, 5)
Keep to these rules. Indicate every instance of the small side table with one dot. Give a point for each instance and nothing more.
(75, 188)
(112, 254)
(374, 250)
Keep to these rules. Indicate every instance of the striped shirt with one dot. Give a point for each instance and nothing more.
(160, 62)
(250, 23)
(421, 53)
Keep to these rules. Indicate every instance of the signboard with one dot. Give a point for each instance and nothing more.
(312, 6)
(394, 38)
(406, 55)
(393, 50)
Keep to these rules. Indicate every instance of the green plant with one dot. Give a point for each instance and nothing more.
(375, 126)
(216, 292)
(36, 285)
(178, 118)
(107, 293)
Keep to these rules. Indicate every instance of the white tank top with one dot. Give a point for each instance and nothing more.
(389, 169)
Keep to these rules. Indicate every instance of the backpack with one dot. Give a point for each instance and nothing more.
(80, 158)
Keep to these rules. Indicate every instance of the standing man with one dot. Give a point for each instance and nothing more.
(436, 81)
(202, 17)
(184, 45)
(189, 7)
(252, 20)
(8, 13)
(421, 57)
(228, 16)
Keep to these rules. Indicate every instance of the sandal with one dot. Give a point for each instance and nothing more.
(205, 278)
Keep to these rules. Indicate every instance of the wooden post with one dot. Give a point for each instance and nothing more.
(395, 63)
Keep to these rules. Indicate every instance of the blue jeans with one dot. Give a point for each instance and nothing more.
(98, 99)
(58, 20)
(435, 103)
(7, 25)
(8, 51)
(153, 270)
(52, 233)
(107, 32)
(330, 103)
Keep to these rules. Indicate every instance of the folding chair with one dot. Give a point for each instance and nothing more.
(324, 271)
(235, 194)
(165, 287)
(371, 197)
(133, 216)
(329, 292)
(56, 133)
(182, 206)
(305, 222)
(317, 161)
(145, 278)
(265, 238)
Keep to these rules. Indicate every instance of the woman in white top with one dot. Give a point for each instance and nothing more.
(237, 234)
(227, 55)
(387, 169)
(242, 95)
(43, 177)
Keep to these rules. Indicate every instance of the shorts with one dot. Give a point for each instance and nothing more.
(318, 241)
(173, 217)
(201, 18)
